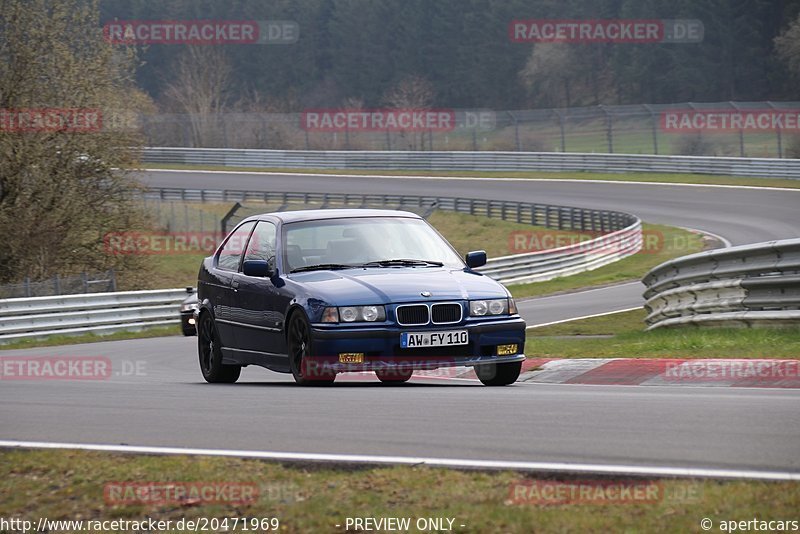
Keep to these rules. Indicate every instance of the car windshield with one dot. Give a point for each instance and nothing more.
(377, 241)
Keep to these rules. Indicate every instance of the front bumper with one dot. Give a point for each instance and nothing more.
(188, 328)
(380, 346)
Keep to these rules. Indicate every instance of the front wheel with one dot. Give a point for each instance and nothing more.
(394, 376)
(211, 354)
(304, 369)
(498, 374)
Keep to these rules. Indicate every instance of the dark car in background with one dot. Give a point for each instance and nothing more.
(187, 311)
(320, 292)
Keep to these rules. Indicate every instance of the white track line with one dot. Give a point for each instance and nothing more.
(470, 178)
(553, 467)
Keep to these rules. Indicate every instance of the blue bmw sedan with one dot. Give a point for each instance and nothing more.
(320, 292)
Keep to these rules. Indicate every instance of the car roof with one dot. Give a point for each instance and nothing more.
(313, 215)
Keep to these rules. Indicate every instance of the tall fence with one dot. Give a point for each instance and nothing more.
(766, 129)
(61, 285)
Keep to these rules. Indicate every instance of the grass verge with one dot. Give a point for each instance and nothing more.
(540, 175)
(69, 485)
(156, 331)
(631, 341)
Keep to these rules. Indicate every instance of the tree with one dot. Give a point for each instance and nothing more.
(202, 77)
(59, 191)
(787, 45)
(411, 93)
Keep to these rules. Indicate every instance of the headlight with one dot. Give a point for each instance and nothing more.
(370, 313)
(190, 307)
(480, 308)
(352, 314)
(348, 315)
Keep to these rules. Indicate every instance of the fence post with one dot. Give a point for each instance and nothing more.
(561, 119)
(778, 133)
(654, 126)
(516, 132)
(609, 130)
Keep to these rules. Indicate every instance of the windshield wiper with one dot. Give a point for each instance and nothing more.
(403, 263)
(323, 267)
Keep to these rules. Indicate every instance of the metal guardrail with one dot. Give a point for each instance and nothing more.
(101, 313)
(24, 318)
(750, 285)
(474, 161)
(621, 232)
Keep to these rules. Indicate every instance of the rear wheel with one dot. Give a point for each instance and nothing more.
(305, 370)
(210, 354)
(394, 376)
(498, 374)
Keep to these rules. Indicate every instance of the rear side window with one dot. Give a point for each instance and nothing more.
(231, 253)
(262, 243)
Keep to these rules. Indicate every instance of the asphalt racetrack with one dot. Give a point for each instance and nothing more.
(156, 395)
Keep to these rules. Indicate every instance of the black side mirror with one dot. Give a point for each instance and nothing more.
(476, 258)
(258, 268)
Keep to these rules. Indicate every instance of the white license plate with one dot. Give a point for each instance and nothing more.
(411, 340)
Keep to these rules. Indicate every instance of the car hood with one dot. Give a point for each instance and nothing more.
(387, 285)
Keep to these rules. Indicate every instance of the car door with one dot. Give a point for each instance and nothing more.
(259, 322)
(222, 295)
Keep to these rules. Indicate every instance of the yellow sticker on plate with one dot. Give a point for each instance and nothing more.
(351, 357)
(506, 350)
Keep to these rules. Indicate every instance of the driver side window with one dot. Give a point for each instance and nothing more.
(262, 243)
(231, 253)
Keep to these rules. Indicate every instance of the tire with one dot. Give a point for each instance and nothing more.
(498, 374)
(298, 342)
(210, 354)
(396, 376)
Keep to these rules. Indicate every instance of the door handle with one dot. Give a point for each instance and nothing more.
(235, 284)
